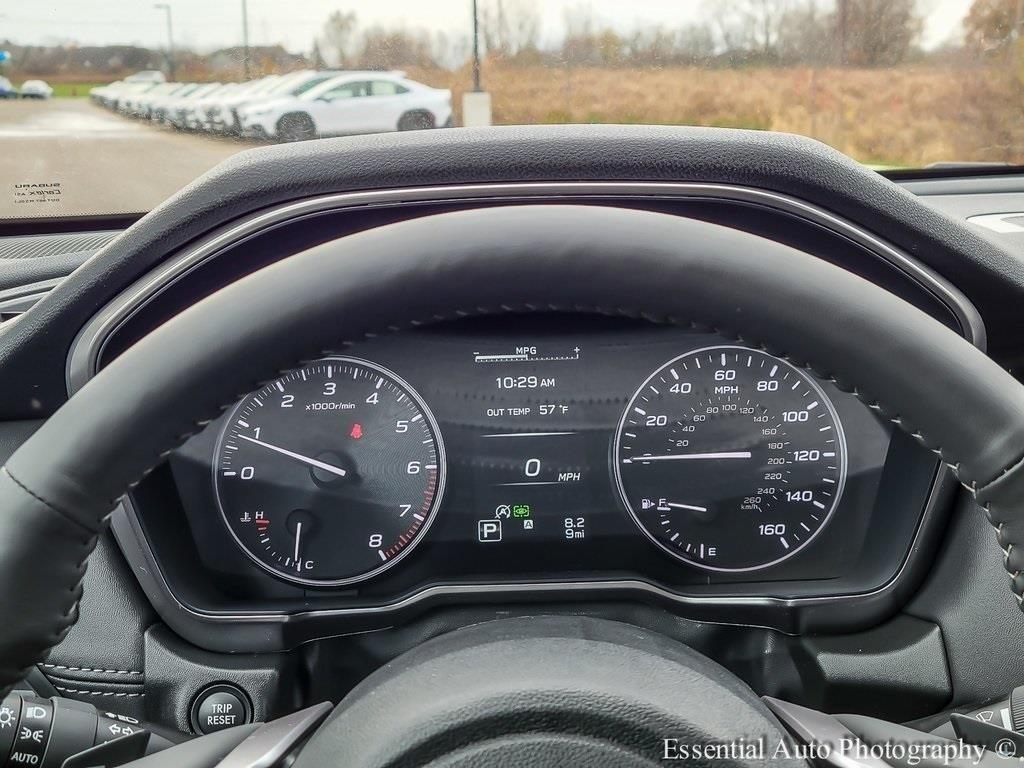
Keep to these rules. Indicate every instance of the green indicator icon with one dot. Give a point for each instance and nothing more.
(521, 510)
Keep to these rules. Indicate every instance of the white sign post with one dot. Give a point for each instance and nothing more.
(476, 109)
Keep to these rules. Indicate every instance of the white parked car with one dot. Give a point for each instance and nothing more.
(349, 103)
(137, 98)
(36, 89)
(107, 95)
(220, 115)
(147, 76)
(178, 111)
(193, 112)
(209, 106)
(7, 89)
(291, 85)
(159, 106)
(224, 116)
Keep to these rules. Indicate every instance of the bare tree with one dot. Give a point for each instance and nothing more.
(449, 51)
(695, 44)
(879, 32)
(316, 57)
(579, 46)
(766, 19)
(338, 38)
(384, 48)
(749, 28)
(510, 27)
(808, 35)
(659, 46)
(992, 25)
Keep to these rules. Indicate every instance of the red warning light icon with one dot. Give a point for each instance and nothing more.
(357, 431)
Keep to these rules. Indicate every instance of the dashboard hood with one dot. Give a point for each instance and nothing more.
(251, 180)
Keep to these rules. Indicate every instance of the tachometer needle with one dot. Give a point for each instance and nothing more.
(681, 456)
(298, 537)
(297, 456)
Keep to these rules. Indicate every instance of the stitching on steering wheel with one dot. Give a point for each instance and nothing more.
(63, 513)
(198, 424)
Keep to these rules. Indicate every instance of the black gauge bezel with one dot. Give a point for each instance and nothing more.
(442, 474)
(680, 555)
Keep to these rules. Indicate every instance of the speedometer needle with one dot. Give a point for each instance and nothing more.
(297, 456)
(298, 537)
(691, 507)
(680, 456)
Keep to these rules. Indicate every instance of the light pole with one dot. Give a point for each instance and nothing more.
(245, 38)
(476, 104)
(170, 39)
(1015, 38)
(476, 48)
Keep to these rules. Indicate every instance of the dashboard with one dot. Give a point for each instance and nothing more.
(762, 495)
(555, 452)
(556, 462)
(516, 461)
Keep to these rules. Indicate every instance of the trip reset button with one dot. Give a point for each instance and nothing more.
(218, 707)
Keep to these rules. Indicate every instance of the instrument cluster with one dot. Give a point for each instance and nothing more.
(548, 450)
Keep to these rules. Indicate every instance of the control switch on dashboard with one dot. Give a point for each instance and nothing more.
(55, 732)
(219, 707)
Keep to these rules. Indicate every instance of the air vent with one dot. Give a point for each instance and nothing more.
(36, 246)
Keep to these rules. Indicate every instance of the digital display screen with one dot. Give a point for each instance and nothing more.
(534, 454)
(529, 410)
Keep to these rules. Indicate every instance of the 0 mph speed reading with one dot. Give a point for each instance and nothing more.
(730, 459)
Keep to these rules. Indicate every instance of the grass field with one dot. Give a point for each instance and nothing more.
(903, 116)
(61, 89)
(72, 90)
(906, 116)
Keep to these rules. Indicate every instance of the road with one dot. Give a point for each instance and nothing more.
(69, 157)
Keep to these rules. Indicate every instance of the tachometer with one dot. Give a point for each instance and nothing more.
(730, 459)
(330, 474)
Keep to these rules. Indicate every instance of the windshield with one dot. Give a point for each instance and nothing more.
(111, 106)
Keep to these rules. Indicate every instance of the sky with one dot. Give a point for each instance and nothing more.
(210, 24)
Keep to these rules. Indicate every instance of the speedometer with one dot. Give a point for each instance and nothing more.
(331, 473)
(730, 459)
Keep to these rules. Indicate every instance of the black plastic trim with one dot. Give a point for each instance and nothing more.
(276, 631)
(84, 359)
(51, 226)
(241, 631)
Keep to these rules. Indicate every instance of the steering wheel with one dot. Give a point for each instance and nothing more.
(529, 691)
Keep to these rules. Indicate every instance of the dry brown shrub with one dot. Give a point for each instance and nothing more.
(901, 116)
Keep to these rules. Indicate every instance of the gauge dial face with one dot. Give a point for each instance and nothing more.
(330, 474)
(730, 459)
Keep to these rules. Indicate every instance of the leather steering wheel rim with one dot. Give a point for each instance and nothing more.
(58, 488)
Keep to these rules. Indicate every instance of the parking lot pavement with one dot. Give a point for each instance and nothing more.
(69, 157)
